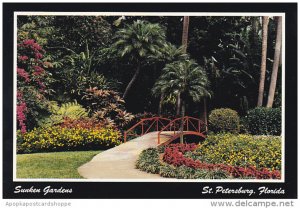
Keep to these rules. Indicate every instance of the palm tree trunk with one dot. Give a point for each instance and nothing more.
(138, 69)
(162, 96)
(205, 111)
(263, 61)
(185, 32)
(178, 104)
(275, 63)
(182, 121)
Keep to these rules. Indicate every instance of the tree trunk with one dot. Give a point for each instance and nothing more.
(182, 121)
(162, 96)
(275, 63)
(263, 61)
(185, 32)
(205, 111)
(132, 81)
(178, 105)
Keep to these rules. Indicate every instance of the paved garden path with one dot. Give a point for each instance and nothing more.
(119, 162)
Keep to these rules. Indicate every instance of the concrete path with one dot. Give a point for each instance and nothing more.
(119, 162)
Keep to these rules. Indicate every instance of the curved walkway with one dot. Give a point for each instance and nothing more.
(119, 162)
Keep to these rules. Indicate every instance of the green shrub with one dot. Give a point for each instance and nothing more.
(57, 138)
(224, 120)
(266, 121)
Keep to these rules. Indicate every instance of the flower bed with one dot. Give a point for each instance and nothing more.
(58, 138)
(240, 150)
(174, 155)
(184, 161)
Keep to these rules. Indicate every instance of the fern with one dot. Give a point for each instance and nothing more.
(71, 110)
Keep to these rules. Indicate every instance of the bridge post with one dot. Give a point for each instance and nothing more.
(187, 123)
(125, 137)
(157, 124)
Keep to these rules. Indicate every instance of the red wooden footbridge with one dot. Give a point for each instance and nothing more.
(167, 127)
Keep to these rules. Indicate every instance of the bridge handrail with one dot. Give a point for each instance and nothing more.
(156, 119)
(185, 119)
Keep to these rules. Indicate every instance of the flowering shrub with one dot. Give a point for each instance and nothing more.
(63, 139)
(31, 87)
(241, 150)
(174, 155)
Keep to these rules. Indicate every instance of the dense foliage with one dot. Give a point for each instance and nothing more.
(265, 121)
(224, 120)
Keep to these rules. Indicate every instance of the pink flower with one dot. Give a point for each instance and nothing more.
(38, 55)
(38, 70)
(23, 58)
(21, 109)
(28, 42)
(22, 73)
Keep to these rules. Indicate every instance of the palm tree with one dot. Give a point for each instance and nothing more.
(185, 78)
(184, 42)
(263, 61)
(139, 41)
(170, 54)
(275, 63)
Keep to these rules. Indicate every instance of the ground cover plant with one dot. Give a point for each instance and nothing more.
(198, 161)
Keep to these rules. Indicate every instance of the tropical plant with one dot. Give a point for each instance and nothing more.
(185, 78)
(107, 107)
(71, 110)
(139, 41)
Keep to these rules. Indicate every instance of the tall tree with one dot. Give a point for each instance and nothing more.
(275, 63)
(185, 78)
(140, 41)
(170, 54)
(263, 61)
(185, 32)
(185, 36)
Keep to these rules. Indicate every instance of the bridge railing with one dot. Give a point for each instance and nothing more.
(189, 124)
(145, 125)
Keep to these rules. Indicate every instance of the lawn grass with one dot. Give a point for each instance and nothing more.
(52, 165)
